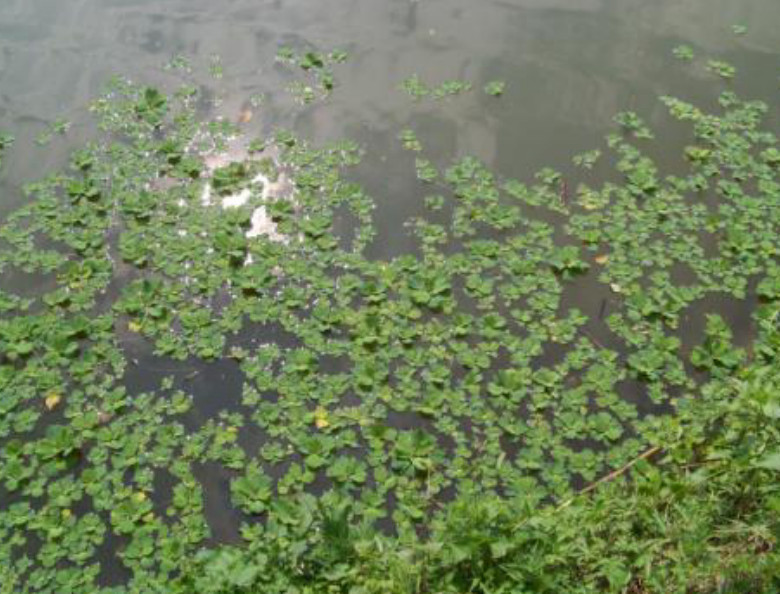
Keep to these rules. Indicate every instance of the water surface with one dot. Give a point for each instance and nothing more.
(569, 66)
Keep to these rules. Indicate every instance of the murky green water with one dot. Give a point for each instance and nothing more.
(569, 66)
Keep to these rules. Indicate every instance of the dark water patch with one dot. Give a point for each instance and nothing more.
(413, 421)
(217, 387)
(385, 172)
(386, 524)
(113, 572)
(406, 421)
(597, 301)
(737, 313)
(636, 393)
(163, 489)
(251, 439)
(153, 42)
(255, 334)
(213, 386)
(223, 519)
(320, 485)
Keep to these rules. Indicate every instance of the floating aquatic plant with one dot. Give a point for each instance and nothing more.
(721, 68)
(464, 369)
(318, 64)
(417, 89)
(495, 88)
(683, 52)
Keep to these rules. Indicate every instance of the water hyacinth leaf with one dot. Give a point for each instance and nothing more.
(251, 491)
(270, 358)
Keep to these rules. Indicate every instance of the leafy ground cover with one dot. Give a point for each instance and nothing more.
(417, 424)
(699, 514)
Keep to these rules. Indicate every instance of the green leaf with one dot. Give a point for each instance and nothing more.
(770, 461)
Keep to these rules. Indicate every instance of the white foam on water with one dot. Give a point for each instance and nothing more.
(261, 222)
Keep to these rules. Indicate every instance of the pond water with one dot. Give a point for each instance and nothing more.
(568, 66)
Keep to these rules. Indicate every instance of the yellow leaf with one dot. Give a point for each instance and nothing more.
(52, 400)
(321, 418)
(134, 326)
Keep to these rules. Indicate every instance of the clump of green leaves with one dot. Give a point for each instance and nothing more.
(230, 178)
(417, 89)
(683, 52)
(316, 64)
(252, 491)
(151, 106)
(717, 467)
(409, 140)
(588, 159)
(721, 68)
(495, 88)
(469, 365)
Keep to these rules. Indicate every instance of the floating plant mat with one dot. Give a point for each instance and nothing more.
(381, 389)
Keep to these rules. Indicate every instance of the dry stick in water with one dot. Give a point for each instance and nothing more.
(564, 192)
(613, 475)
(603, 308)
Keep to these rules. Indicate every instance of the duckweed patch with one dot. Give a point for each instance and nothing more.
(377, 395)
(318, 65)
(495, 88)
(721, 68)
(417, 89)
(683, 52)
